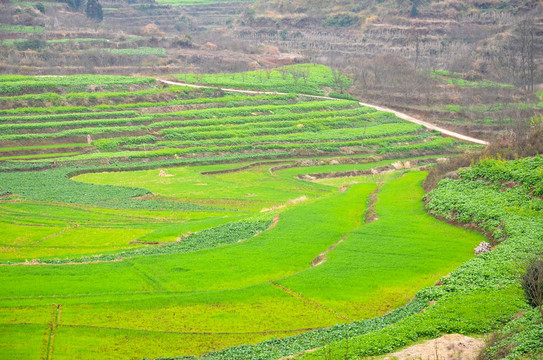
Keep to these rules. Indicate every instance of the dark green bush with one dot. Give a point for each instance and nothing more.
(30, 44)
(341, 20)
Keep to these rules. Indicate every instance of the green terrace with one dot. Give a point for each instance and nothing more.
(167, 122)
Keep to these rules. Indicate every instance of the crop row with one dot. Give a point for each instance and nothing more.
(274, 116)
(257, 140)
(91, 115)
(22, 29)
(200, 124)
(49, 96)
(12, 167)
(13, 42)
(311, 143)
(208, 100)
(205, 113)
(113, 143)
(262, 128)
(456, 79)
(434, 144)
(79, 124)
(28, 83)
(27, 124)
(141, 51)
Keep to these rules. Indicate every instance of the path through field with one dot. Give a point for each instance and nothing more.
(380, 108)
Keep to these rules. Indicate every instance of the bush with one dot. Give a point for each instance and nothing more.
(40, 7)
(341, 20)
(30, 44)
(94, 10)
(532, 283)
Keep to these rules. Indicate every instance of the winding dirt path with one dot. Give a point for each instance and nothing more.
(380, 108)
(429, 125)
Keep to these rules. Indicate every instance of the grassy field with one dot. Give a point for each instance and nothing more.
(254, 281)
(304, 78)
(188, 224)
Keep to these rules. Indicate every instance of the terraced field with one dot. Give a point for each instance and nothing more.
(157, 122)
(144, 220)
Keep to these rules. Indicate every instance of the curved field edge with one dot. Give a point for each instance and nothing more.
(480, 296)
(208, 238)
(16, 212)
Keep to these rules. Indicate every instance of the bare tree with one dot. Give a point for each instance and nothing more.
(525, 34)
(513, 55)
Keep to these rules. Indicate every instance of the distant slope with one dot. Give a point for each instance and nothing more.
(364, 8)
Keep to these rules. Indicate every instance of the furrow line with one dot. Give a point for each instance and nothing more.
(302, 298)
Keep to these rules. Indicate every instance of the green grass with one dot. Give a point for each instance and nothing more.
(235, 297)
(253, 190)
(43, 147)
(22, 29)
(141, 51)
(406, 249)
(38, 156)
(480, 296)
(69, 242)
(458, 79)
(42, 231)
(304, 78)
(23, 341)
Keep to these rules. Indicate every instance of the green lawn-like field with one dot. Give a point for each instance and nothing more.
(251, 190)
(190, 303)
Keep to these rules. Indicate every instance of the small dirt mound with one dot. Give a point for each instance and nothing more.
(162, 173)
(448, 347)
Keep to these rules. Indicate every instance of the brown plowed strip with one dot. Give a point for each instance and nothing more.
(371, 214)
(272, 225)
(321, 258)
(227, 171)
(54, 325)
(299, 296)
